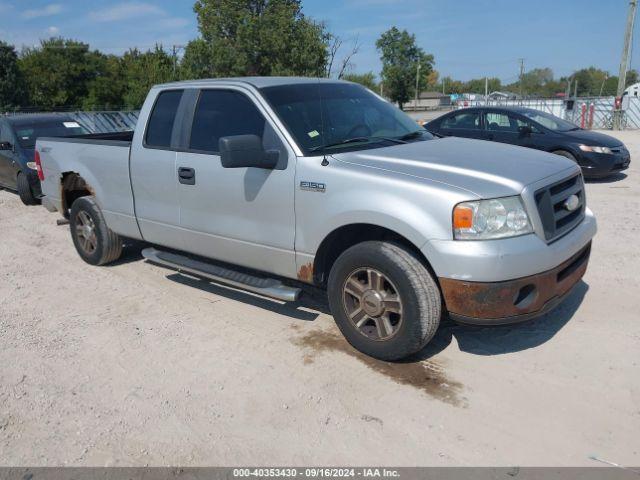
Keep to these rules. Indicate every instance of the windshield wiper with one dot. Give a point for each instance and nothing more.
(356, 140)
(410, 135)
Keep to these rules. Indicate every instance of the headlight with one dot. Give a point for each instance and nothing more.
(586, 148)
(32, 165)
(488, 219)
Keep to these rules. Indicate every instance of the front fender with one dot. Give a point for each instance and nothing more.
(404, 216)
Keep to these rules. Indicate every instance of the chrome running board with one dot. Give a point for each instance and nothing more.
(269, 287)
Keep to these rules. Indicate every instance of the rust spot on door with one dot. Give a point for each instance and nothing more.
(305, 274)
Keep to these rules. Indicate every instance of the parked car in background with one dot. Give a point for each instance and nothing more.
(18, 136)
(597, 154)
(323, 182)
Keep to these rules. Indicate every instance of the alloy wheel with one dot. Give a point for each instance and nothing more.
(86, 232)
(372, 303)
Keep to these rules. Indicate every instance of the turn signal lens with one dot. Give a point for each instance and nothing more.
(462, 217)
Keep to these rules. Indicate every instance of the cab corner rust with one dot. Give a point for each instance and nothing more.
(305, 273)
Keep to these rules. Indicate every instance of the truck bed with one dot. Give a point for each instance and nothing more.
(102, 162)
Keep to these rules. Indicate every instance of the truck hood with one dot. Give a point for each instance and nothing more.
(486, 169)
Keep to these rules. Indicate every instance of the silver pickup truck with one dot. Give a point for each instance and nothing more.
(267, 184)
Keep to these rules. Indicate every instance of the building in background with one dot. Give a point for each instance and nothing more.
(429, 101)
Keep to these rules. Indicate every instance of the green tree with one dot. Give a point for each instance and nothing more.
(258, 37)
(106, 91)
(196, 62)
(12, 92)
(449, 85)
(590, 81)
(477, 85)
(142, 71)
(401, 56)
(610, 87)
(367, 79)
(535, 81)
(632, 77)
(57, 73)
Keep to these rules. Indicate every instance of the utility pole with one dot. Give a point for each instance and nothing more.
(443, 86)
(624, 65)
(606, 77)
(175, 50)
(521, 60)
(415, 106)
(486, 89)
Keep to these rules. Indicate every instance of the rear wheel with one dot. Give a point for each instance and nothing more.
(24, 190)
(95, 242)
(384, 300)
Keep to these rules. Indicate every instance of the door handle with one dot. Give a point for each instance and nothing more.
(187, 176)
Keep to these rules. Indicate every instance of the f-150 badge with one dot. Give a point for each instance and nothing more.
(313, 187)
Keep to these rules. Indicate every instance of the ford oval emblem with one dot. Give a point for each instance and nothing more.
(572, 203)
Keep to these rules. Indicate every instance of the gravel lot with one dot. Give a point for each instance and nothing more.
(135, 365)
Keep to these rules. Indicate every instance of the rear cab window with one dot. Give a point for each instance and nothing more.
(162, 119)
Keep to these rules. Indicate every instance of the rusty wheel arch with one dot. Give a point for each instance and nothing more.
(72, 187)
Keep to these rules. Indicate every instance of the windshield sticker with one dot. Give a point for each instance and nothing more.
(313, 133)
(71, 124)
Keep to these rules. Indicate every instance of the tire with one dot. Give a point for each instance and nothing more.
(24, 190)
(564, 153)
(404, 276)
(95, 242)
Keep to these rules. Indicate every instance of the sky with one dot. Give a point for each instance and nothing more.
(468, 38)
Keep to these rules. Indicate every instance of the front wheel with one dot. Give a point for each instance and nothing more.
(384, 300)
(95, 242)
(24, 190)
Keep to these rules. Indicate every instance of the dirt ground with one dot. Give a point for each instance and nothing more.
(135, 365)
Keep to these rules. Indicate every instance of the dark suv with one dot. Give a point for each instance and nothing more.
(18, 136)
(599, 155)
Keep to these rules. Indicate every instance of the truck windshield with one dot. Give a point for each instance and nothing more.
(333, 117)
(28, 133)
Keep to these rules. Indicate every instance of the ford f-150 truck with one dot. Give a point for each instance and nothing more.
(267, 184)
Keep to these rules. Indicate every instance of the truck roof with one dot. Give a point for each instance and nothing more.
(257, 82)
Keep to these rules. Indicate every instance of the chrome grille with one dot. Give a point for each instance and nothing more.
(556, 218)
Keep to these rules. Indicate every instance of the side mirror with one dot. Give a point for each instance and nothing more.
(525, 130)
(6, 146)
(246, 151)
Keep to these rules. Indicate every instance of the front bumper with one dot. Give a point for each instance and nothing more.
(601, 165)
(498, 303)
(507, 258)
